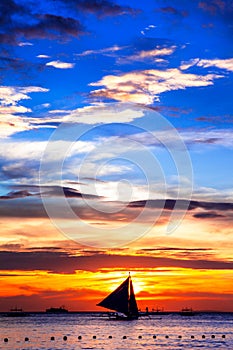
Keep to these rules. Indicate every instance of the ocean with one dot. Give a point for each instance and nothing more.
(95, 331)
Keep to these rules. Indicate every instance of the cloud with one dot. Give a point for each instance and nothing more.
(152, 54)
(60, 64)
(11, 246)
(105, 113)
(189, 64)
(21, 21)
(169, 204)
(43, 56)
(173, 11)
(99, 113)
(10, 96)
(216, 119)
(145, 86)
(215, 137)
(226, 64)
(30, 20)
(26, 43)
(104, 51)
(213, 6)
(148, 29)
(103, 8)
(19, 170)
(61, 262)
(52, 191)
(32, 151)
(209, 215)
(141, 55)
(67, 191)
(218, 137)
(16, 194)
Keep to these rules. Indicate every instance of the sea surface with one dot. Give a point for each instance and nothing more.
(96, 331)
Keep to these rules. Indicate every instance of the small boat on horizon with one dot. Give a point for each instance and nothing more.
(16, 312)
(187, 312)
(123, 301)
(57, 310)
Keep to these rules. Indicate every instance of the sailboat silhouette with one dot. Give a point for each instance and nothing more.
(122, 300)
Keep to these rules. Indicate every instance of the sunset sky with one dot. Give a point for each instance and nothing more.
(116, 152)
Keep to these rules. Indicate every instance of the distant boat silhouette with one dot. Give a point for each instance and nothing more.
(187, 312)
(123, 301)
(57, 310)
(16, 312)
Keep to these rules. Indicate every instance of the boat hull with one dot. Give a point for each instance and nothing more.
(16, 314)
(122, 317)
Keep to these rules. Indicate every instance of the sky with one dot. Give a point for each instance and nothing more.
(116, 152)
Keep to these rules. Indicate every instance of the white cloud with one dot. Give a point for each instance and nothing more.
(10, 96)
(148, 54)
(25, 44)
(43, 56)
(187, 64)
(90, 115)
(148, 29)
(145, 86)
(226, 64)
(33, 150)
(104, 51)
(105, 113)
(211, 138)
(218, 137)
(10, 124)
(18, 150)
(44, 105)
(60, 64)
(99, 113)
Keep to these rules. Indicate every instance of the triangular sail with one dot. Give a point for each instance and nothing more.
(122, 299)
(133, 308)
(118, 299)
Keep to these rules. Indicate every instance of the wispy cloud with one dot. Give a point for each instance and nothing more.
(145, 86)
(173, 11)
(213, 6)
(103, 8)
(16, 194)
(188, 64)
(226, 64)
(105, 113)
(208, 215)
(43, 56)
(152, 54)
(20, 21)
(10, 95)
(215, 137)
(25, 43)
(104, 51)
(60, 262)
(60, 64)
(148, 29)
(10, 109)
(39, 26)
(170, 203)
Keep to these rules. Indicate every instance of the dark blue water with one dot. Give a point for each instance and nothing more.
(96, 331)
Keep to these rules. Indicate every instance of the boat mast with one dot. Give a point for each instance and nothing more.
(129, 293)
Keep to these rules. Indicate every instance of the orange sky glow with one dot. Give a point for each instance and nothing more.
(169, 272)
